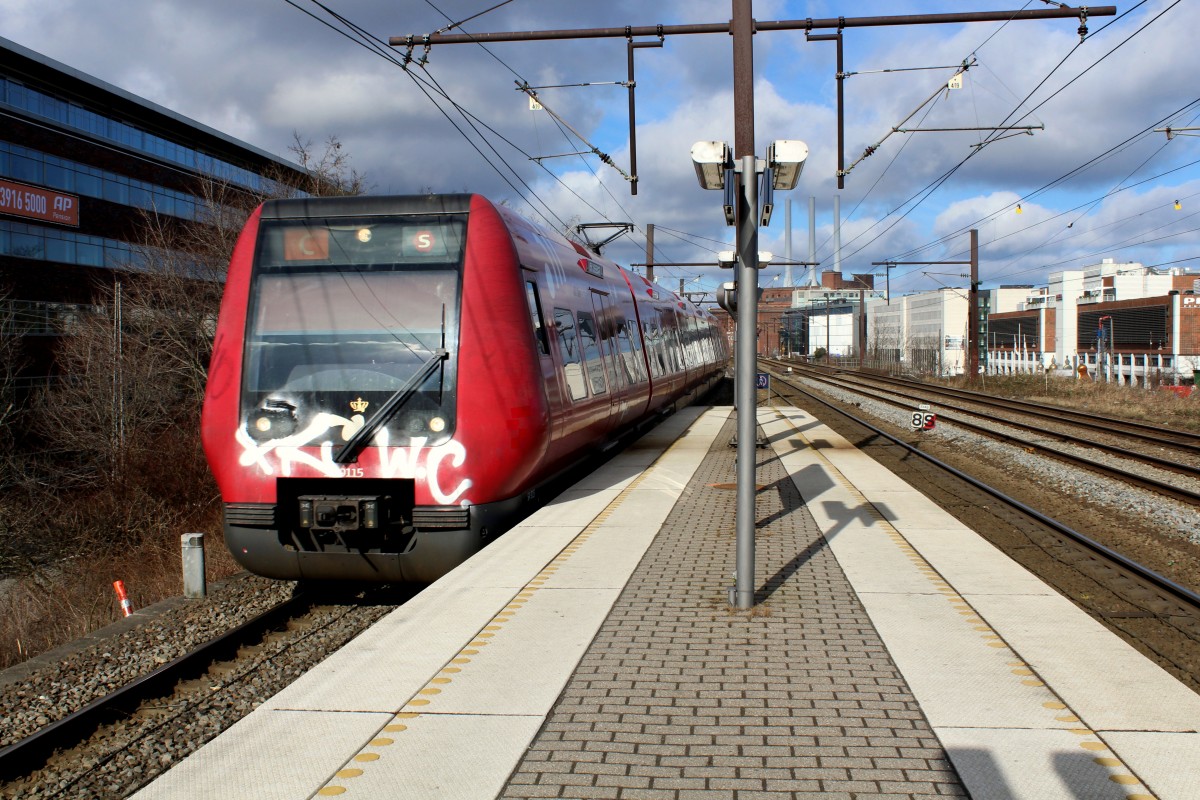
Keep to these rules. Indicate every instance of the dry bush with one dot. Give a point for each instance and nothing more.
(47, 607)
(115, 473)
(1155, 405)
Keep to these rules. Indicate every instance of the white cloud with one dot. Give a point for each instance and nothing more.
(261, 71)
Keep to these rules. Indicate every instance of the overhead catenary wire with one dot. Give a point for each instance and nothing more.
(972, 55)
(924, 193)
(363, 38)
(915, 200)
(1055, 182)
(523, 85)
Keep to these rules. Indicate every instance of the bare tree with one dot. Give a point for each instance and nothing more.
(135, 374)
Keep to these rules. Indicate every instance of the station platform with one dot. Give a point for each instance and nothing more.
(591, 652)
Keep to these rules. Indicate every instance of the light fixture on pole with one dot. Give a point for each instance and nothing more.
(715, 169)
(713, 161)
(785, 162)
(727, 259)
(785, 159)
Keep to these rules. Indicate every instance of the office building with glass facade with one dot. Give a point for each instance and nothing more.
(81, 161)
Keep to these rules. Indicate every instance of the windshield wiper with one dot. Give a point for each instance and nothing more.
(358, 441)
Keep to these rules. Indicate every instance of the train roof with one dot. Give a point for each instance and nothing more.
(367, 205)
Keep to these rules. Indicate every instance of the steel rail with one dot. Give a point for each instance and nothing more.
(28, 754)
(1160, 582)
(1162, 487)
(1143, 430)
(855, 384)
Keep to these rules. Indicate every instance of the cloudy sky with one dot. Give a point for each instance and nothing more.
(1093, 180)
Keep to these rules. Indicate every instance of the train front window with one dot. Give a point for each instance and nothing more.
(345, 314)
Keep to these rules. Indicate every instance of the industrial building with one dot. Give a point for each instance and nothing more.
(1117, 321)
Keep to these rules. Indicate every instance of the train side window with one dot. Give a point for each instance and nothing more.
(639, 362)
(630, 358)
(535, 313)
(654, 348)
(670, 338)
(589, 347)
(568, 345)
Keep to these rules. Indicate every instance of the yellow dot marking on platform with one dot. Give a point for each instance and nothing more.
(489, 630)
(1124, 780)
(1082, 731)
(1020, 668)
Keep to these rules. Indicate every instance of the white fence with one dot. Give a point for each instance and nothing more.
(1130, 369)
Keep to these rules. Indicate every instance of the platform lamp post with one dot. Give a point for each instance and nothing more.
(717, 169)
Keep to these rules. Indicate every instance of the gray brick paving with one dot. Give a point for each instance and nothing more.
(681, 697)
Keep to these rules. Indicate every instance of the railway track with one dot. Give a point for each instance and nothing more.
(1171, 460)
(16, 759)
(1155, 613)
(116, 743)
(1139, 432)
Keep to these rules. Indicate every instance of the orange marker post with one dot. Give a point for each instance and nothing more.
(126, 605)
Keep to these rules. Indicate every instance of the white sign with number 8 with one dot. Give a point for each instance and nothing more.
(923, 420)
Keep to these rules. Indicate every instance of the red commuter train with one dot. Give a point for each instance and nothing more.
(395, 379)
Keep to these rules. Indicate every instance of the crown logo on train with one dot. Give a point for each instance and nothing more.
(359, 405)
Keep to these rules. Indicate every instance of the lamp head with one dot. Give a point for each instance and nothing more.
(711, 159)
(786, 159)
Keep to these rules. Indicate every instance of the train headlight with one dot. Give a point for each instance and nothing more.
(363, 235)
(437, 424)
